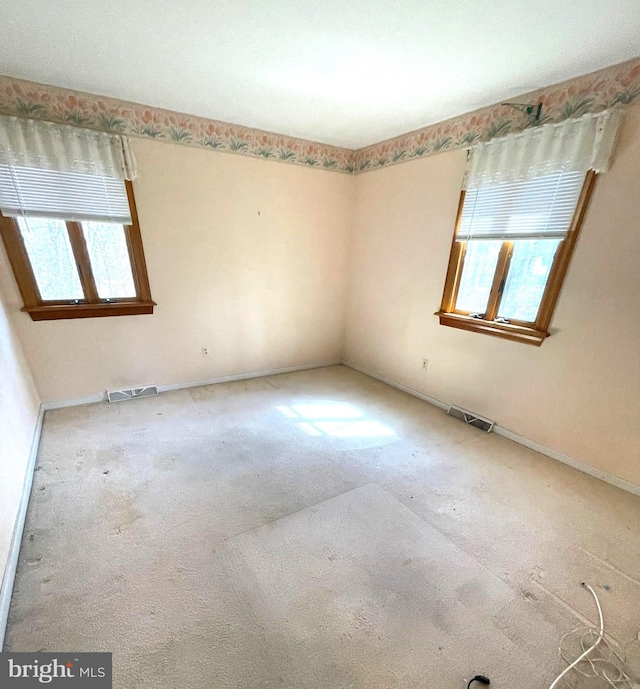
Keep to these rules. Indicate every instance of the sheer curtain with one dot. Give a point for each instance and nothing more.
(44, 145)
(575, 145)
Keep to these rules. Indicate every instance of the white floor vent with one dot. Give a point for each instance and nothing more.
(132, 393)
(470, 418)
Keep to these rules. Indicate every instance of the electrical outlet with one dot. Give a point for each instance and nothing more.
(425, 364)
(205, 351)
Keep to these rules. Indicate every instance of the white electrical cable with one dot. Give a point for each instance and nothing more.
(608, 663)
(591, 648)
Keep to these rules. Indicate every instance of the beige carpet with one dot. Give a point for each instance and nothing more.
(313, 530)
(360, 592)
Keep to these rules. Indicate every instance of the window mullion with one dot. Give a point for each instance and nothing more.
(81, 255)
(499, 279)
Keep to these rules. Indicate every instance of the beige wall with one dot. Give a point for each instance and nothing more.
(19, 405)
(579, 393)
(246, 257)
(251, 258)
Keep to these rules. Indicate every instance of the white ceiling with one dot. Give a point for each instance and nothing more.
(344, 72)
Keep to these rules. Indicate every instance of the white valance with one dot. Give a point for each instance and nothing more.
(575, 145)
(48, 146)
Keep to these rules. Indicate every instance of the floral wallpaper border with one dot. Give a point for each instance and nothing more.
(40, 102)
(618, 85)
(613, 86)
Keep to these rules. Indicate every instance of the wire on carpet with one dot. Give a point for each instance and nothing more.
(602, 655)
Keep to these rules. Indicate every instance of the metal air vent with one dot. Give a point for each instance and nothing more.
(470, 418)
(132, 393)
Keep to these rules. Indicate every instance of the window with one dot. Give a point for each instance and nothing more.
(69, 223)
(523, 200)
(511, 248)
(92, 266)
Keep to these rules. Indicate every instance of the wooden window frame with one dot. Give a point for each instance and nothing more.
(519, 331)
(92, 305)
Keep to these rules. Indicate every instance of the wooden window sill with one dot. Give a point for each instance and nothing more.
(507, 331)
(61, 311)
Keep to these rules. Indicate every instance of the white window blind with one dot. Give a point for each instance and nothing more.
(537, 208)
(35, 192)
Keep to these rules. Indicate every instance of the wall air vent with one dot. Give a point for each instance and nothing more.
(132, 393)
(470, 418)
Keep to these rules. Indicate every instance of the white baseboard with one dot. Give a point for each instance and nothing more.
(515, 437)
(102, 396)
(398, 386)
(9, 575)
(246, 376)
(569, 461)
(77, 402)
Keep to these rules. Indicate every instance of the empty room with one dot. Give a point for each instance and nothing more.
(320, 344)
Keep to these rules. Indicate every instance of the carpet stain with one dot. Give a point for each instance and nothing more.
(209, 540)
(119, 509)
